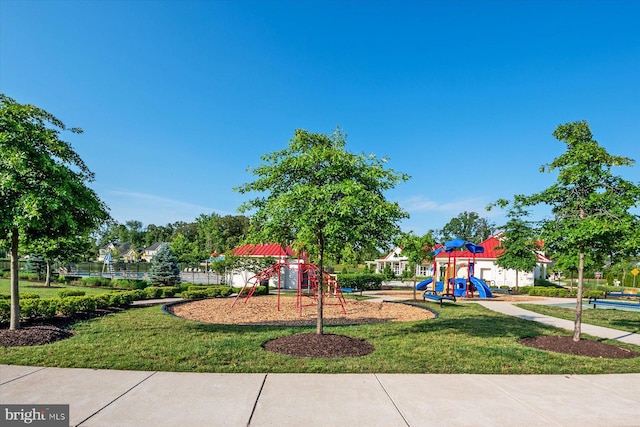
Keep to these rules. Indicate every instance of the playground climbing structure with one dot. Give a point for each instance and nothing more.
(307, 289)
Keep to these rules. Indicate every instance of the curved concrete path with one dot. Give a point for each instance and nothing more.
(597, 331)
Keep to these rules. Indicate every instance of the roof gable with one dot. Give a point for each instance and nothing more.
(263, 250)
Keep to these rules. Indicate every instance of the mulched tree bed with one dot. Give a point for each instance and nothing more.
(589, 348)
(316, 345)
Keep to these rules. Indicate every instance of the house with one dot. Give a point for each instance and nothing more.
(124, 251)
(284, 255)
(148, 253)
(484, 267)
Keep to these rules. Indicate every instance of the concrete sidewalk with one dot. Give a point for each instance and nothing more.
(129, 398)
(596, 331)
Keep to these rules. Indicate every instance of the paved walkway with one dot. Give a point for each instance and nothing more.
(129, 398)
(596, 331)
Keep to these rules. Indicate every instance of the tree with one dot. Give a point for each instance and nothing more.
(468, 226)
(417, 249)
(164, 269)
(322, 198)
(590, 205)
(184, 250)
(43, 191)
(518, 244)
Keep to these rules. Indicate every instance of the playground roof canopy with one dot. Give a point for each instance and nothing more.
(263, 250)
(488, 249)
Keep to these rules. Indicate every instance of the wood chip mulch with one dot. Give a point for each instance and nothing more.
(263, 310)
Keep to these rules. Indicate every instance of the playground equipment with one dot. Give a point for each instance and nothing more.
(455, 286)
(307, 289)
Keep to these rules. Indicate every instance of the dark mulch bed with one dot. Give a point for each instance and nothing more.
(32, 335)
(40, 332)
(315, 345)
(566, 345)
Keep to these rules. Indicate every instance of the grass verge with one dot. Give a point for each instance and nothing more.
(465, 338)
(617, 319)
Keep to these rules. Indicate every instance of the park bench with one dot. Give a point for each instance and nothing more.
(431, 295)
(351, 290)
(613, 303)
(622, 295)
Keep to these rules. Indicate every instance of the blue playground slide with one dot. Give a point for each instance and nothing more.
(423, 285)
(481, 287)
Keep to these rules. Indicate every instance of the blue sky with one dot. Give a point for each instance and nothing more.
(178, 98)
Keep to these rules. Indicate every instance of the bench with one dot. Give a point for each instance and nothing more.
(626, 304)
(351, 290)
(431, 295)
(621, 295)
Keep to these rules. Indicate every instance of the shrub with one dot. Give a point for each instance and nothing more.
(96, 281)
(153, 292)
(121, 299)
(129, 283)
(5, 311)
(69, 279)
(62, 293)
(361, 281)
(28, 295)
(38, 308)
(69, 306)
(210, 292)
(593, 293)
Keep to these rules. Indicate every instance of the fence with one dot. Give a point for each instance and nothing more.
(127, 270)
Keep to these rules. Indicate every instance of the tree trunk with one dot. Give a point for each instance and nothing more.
(47, 280)
(517, 287)
(320, 319)
(14, 322)
(578, 322)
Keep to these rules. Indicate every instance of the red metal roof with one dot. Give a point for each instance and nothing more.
(263, 250)
(491, 251)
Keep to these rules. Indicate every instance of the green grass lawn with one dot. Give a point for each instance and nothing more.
(617, 319)
(43, 291)
(465, 338)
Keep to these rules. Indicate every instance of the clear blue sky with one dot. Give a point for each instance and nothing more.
(178, 98)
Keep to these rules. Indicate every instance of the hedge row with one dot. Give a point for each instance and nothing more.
(361, 281)
(47, 308)
(196, 292)
(542, 291)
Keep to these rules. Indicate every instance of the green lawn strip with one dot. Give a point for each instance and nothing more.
(617, 319)
(44, 291)
(465, 338)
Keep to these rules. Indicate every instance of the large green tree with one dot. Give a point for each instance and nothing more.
(518, 244)
(43, 184)
(591, 206)
(468, 226)
(322, 198)
(417, 249)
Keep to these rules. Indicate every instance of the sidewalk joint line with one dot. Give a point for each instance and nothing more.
(25, 375)
(255, 404)
(392, 401)
(116, 398)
